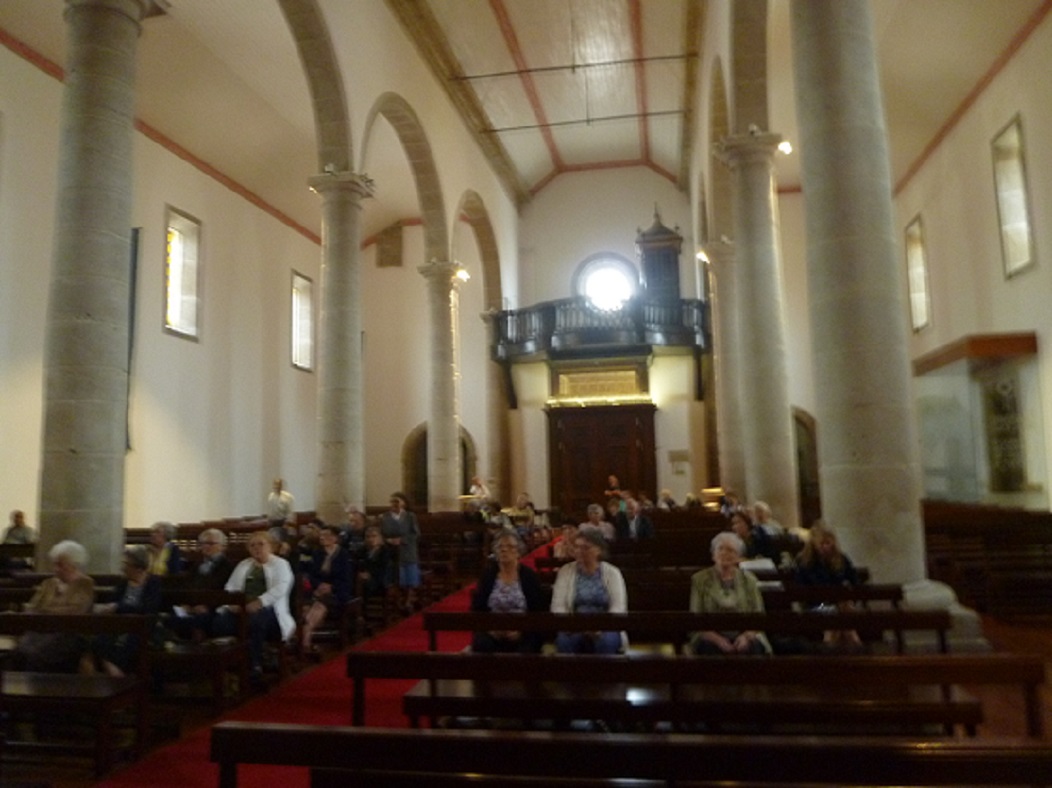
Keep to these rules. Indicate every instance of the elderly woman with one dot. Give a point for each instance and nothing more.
(725, 588)
(596, 521)
(68, 591)
(140, 593)
(522, 515)
(402, 531)
(266, 580)
(329, 583)
(506, 586)
(166, 559)
(589, 585)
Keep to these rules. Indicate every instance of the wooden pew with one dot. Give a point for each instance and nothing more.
(341, 756)
(997, 559)
(212, 658)
(663, 593)
(859, 694)
(98, 697)
(16, 556)
(675, 627)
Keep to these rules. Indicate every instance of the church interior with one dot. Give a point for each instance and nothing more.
(786, 248)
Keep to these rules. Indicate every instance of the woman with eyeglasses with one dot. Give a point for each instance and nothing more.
(506, 586)
(586, 585)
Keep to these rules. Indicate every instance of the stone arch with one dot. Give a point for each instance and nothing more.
(331, 124)
(403, 119)
(749, 56)
(414, 462)
(805, 437)
(473, 211)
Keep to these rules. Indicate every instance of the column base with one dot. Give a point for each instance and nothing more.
(966, 634)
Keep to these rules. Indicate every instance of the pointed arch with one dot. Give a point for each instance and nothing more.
(410, 132)
(325, 81)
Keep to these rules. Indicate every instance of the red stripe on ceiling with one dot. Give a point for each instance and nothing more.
(52, 69)
(515, 50)
(1014, 46)
(635, 15)
(176, 149)
(602, 165)
(543, 182)
(26, 52)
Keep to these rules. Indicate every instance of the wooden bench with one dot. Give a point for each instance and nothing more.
(658, 590)
(98, 697)
(863, 694)
(675, 627)
(16, 556)
(997, 559)
(342, 756)
(214, 658)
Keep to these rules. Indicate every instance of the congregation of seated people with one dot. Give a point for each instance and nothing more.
(310, 571)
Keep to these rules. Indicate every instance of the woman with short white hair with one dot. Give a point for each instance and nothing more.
(726, 588)
(68, 591)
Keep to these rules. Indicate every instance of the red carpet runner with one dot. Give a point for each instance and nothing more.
(320, 697)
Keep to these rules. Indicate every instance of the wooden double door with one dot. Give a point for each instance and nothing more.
(586, 445)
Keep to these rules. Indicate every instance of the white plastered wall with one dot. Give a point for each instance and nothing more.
(954, 193)
(584, 213)
(212, 422)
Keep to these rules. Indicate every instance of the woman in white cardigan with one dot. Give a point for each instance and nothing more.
(266, 579)
(589, 585)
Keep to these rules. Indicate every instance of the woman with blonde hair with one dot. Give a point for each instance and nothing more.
(822, 563)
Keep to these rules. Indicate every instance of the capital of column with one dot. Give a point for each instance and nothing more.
(442, 272)
(359, 185)
(720, 252)
(756, 146)
(136, 10)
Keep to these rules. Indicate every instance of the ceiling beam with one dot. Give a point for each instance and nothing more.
(423, 30)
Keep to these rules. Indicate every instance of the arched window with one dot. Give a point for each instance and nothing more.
(607, 280)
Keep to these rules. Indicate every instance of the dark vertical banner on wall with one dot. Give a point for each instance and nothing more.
(133, 272)
(1003, 417)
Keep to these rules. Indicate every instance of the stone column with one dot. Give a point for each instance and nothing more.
(869, 466)
(88, 318)
(727, 357)
(497, 422)
(762, 360)
(443, 428)
(341, 438)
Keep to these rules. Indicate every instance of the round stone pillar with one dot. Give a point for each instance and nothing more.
(88, 317)
(341, 438)
(497, 432)
(762, 360)
(726, 354)
(869, 467)
(443, 428)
